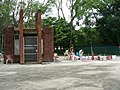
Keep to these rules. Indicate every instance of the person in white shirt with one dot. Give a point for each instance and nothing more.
(81, 54)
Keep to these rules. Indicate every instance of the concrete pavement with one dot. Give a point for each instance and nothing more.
(62, 75)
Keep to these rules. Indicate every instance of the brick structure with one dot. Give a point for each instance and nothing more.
(39, 34)
(21, 37)
(45, 50)
(8, 42)
(48, 43)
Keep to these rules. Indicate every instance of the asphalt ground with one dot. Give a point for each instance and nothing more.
(62, 75)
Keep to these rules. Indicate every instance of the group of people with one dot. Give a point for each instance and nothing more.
(71, 54)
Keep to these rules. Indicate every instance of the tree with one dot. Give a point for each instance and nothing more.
(30, 10)
(9, 11)
(70, 4)
(109, 24)
(61, 30)
(6, 13)
(78, 9)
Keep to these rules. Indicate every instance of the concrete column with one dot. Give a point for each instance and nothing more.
(21, 38)
(39, 33)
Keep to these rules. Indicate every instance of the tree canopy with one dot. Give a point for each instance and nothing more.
(97, 20)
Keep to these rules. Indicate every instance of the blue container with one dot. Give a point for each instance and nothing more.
(77, 53)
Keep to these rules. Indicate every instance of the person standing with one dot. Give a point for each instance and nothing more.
(66, 54)
(71, 53)
(81, 54)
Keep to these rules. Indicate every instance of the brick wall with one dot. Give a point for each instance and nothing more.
(48, 44)
(8, 42)
(47, 35)
(39, 33)
(21, 37)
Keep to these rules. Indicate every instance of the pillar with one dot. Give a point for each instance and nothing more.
(39, 33)
(8, 42)
(48, 44)
(21, 38)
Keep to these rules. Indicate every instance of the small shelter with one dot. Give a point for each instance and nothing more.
(29, 45)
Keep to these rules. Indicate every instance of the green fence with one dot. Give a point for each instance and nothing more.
(1, 49)
(102, 50)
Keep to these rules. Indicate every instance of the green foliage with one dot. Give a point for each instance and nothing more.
(9, 12)
(101, 19)
(108, 25)
(6, 15)
(30, 11)
(62, 33)
(49, 22)
(91, 35)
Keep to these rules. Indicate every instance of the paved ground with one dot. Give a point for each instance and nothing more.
(64, 75)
